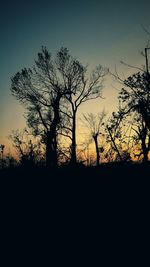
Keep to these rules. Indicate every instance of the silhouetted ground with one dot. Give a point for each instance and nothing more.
(114, 171)
(108, 170)
(113, 198)
(110, 191)
(110, 183)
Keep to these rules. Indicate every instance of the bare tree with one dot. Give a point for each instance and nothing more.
(95, 124)
(27, 147)
(41, 90)
(119, 135)
(89, 88)
(134, 98)
(141, 138)
(114, 132)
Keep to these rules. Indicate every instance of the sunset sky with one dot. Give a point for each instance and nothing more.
(94, 31)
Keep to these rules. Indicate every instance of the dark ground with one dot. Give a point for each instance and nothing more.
(106, 206)
(111, 180)
(111, 177)
(108, 170)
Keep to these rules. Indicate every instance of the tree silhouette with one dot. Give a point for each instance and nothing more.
(134, 104)
(135, 99)
(41, 90)
(27, 148)
(88, 89)
(118, 136)
(141, 137)
(95, 125)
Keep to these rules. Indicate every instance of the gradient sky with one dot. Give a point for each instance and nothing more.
(94, 31)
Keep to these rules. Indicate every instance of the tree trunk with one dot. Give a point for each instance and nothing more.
(96, 148)
(51, 149)
(73, 145)
(51, 142)
(48, 150)
(114, 144)
(145, 151)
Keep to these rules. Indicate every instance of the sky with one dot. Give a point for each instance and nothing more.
(94, 31)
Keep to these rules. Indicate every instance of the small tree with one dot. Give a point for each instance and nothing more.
(27, 147)
(95, 124)
(89, 88)
(141, 138)
(135, 98)
(119, 136)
